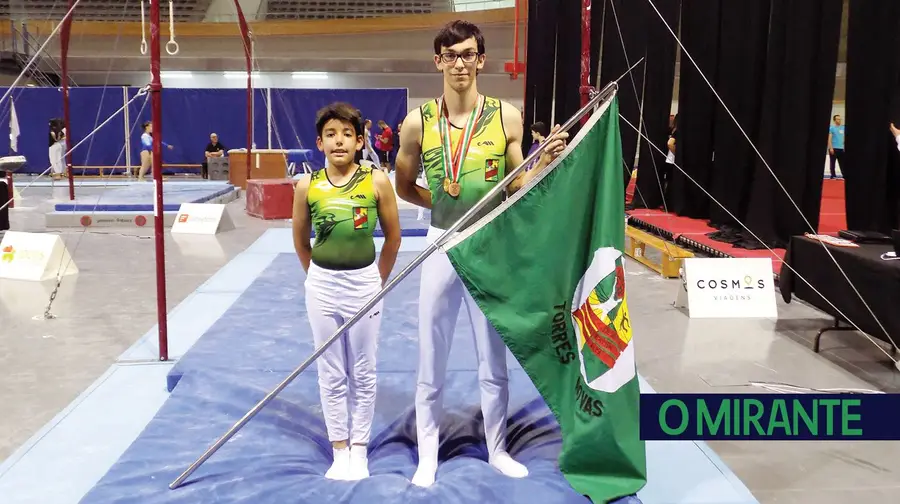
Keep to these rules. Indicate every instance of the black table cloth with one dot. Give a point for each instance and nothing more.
(876, 280)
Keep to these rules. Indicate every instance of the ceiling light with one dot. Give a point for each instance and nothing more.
(309, 75)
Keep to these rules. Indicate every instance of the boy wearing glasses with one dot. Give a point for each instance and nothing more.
(466, 142)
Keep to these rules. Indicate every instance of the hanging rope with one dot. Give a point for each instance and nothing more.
(171, 45)
(143, 31)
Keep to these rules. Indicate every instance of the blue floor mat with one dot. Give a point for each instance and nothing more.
(138, 197)
(283, 453)
(268, 325)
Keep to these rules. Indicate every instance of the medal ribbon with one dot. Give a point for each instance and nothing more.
(453, 165)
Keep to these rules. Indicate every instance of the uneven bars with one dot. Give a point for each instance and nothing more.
(158, 212)
(600, 96)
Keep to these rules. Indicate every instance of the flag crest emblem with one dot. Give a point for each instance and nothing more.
(602, 325)
(360, 218)
(492, 170)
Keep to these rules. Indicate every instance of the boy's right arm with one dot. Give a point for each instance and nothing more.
(301, 222)
(407, 162)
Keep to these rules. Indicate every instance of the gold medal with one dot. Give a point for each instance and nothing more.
(454, 160)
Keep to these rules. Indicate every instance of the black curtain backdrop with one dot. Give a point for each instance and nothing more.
(799, 89)
(598, 10)
(658, 90)
(568, 63)
(697, 107)
(873, 63)
(742, 61)
(540, 64)
(631, 16)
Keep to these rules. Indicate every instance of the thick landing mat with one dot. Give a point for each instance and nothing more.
(267, 329)
(281, 456)
(138, 197)
(283, 453)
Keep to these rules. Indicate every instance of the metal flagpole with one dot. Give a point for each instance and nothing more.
(600, 96)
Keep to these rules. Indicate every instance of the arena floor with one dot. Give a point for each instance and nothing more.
(78, 390)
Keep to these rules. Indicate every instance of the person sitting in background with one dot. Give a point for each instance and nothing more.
(385, 143)
(213, 150)
(539, 132)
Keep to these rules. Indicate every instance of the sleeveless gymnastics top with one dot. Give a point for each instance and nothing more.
(483, 167)
(344, 219)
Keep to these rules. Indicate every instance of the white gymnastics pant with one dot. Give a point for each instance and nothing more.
(440, 295)
(57, 155)
(347, 368)
(371, 155)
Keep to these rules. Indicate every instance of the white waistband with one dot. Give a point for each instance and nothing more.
(372, 269)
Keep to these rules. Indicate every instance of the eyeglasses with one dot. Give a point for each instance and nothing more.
(451, 57)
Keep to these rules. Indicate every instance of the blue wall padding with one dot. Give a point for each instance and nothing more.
(188, 117)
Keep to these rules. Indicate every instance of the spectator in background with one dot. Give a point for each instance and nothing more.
(670, 156)
(539, 132)
(836, 143)
(385, 143)
(147, 150)
(57, 151)
(368, 148)
(213, 150)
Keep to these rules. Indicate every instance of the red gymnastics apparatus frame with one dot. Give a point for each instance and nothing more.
(156, 119)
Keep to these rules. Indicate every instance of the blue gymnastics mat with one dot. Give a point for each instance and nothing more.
(138, 197)
(282, 454)
(410, 224)
(267, 330)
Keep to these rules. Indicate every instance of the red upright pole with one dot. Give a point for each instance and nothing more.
(516, 44)
(585, 54)
(158, 213)
(64, 63)
(248, 55)
(525, 15)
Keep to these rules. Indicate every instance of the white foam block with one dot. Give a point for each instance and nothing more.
(202, 218)
(34, 256)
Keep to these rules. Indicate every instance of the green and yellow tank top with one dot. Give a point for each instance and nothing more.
(483, 168)
(344, 218)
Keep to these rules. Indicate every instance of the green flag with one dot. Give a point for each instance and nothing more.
(546, 268)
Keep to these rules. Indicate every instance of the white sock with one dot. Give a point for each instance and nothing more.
(425, 473)
(340, 469)
(359, 463)
(506, 465)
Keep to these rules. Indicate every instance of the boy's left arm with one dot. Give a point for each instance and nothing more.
(389, 217)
